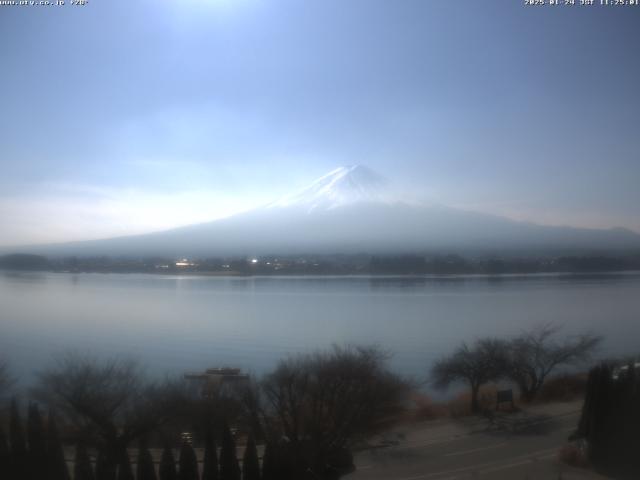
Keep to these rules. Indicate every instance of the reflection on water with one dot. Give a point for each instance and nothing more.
(24, 277)
(181, 323)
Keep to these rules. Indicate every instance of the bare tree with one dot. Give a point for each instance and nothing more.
(536, 353)
(478, 364)
(111, 399)
(324, 403)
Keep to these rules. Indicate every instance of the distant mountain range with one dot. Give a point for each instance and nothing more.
(350, 210)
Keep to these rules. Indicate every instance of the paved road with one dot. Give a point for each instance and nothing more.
(516, 447)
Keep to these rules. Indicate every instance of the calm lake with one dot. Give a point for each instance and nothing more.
(184, 323)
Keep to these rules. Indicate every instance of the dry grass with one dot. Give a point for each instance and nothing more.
(563, 388)
(426, 409)
(460, 405)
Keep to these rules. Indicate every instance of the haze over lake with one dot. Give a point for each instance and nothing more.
(181, 323)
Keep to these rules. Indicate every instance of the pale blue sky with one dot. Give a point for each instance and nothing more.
(130, 116)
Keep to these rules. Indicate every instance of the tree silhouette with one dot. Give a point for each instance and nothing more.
(168, 465)
(250, 462)
(104, 470)
(56, 465)
(188, 463)
(535, 354)
(125, 472)
(281, 463)
(210, 467)
(4, 456)
(269, 466)
(483, 362)
(610, 419)
(145, 468)
(18, 459)
(113, 397)
(229, 467)
(277, 463)
(82, 465)
(318, 425)
(36, 439)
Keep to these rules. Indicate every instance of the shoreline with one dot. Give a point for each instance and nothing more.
(426, 276)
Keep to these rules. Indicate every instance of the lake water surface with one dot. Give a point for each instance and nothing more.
(176, 323)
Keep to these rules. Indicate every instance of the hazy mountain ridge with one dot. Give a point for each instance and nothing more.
(352, 210)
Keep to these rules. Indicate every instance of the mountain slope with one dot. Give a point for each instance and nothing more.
(351, 210)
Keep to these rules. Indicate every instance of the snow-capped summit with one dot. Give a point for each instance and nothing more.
(342, 186)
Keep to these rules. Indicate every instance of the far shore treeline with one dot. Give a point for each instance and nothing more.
(357, 264)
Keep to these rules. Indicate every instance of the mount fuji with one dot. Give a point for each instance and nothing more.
(352, 210)
(338, 188)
